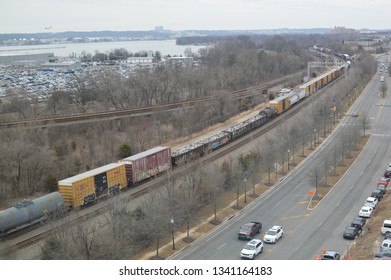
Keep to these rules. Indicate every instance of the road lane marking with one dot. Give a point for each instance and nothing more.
(221, 246)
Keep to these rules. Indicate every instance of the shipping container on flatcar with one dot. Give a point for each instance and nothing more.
(89, 186)
(280, 103)
(147, 164)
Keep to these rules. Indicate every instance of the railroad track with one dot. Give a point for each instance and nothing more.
(89, 117)
(101, 207)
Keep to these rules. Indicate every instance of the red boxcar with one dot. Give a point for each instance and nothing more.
(147, 164)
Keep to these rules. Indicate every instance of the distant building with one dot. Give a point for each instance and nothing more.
(33, 60)
(343, 30)
(187, 61)
(159, 28)
(140, 60)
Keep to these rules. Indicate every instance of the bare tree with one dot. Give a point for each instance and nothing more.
(254, 170)
(81, 92)
(157, 217)
(190, 196)
(84, 238)
(215, 188)
(269, 157)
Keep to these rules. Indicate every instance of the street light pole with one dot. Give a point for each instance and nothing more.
(172, 232)
(245, 190)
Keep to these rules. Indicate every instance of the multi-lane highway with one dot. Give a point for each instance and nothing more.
(307, 232)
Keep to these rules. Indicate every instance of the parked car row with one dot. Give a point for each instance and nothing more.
(376, 195)
(381, 188)
(369, 206)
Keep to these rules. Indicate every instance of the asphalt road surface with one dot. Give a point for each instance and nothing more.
(307, 232)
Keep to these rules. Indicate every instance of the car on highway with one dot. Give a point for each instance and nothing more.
(354, 114)
(365, 212)
(358, 222)
(351, 232)
(248, 230)
(273, 234)
(377, 194)
(252, 249)
(371, 202)
(331, 255)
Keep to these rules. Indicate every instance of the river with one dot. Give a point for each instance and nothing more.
(165, 47)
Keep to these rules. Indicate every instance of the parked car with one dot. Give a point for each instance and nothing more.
(386, 227)
(384, 181)
(252, 249)
(365, 212)
(351, 232)
(371, 202)
(381, 255)
(387, 174)
(273, 234)
(385, 245)
(331, 255)
(358, 222)
(377, 194)
(382, 188)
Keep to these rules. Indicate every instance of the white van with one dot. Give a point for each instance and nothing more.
(386, 227)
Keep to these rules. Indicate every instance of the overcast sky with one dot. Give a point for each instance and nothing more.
(31, 16)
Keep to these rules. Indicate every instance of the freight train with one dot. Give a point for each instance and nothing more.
(88, 187)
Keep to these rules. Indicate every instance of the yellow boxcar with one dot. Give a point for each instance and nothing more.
(89, 186)
(280, 103)
(315, 84)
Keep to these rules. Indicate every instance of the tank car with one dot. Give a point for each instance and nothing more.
(269, 112)
(28, 212)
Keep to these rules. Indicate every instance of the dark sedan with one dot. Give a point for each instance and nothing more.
(382, 188)
(377, 194)
(358, 222)
(351, 233)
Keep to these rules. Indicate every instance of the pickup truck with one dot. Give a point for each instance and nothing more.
(247, 231)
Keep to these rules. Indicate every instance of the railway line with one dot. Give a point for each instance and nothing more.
(28, 237)
(116, 114)
(96, 209)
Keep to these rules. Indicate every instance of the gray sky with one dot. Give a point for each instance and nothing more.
(30, 16)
